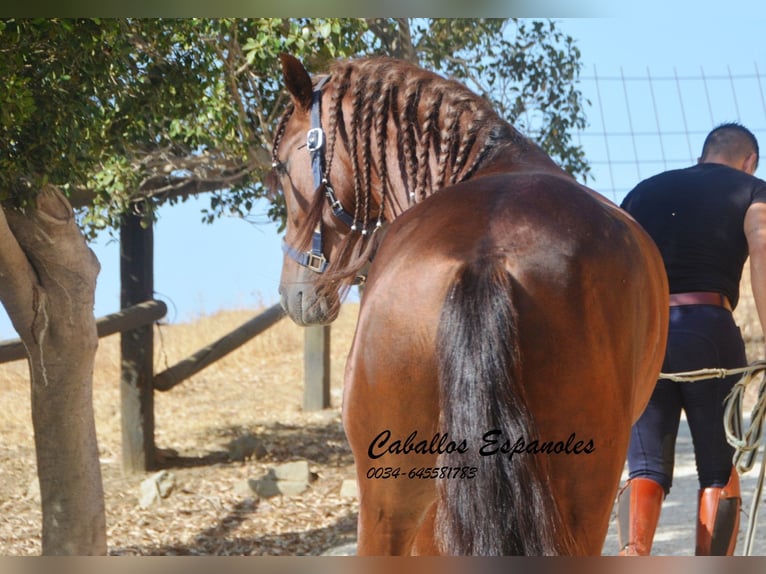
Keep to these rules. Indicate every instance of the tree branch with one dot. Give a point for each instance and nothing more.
(397, 39)
(168, 176)
(19, 286)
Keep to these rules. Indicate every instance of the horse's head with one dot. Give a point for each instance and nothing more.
(314, 175)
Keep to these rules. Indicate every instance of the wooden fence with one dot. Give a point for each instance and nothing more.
(134, 322)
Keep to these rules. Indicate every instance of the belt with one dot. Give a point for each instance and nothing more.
(700, 298)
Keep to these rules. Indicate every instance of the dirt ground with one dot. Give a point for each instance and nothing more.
(256, 391)
(677, 528)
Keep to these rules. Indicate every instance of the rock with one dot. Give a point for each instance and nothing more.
(342, 550)
(348, 488)
(158, 486)
(265, 488)
(244, 447)
(268, 487)
(245, 488)
(288, 479)
(295, 471)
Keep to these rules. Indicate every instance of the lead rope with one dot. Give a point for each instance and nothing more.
(745, 442)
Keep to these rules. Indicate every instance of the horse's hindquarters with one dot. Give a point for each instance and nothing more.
(589, 323)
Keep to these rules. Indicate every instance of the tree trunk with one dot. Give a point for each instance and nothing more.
(47, 285)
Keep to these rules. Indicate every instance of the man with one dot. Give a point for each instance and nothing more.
(706, 220)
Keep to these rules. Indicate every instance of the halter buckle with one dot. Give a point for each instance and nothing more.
(315, 139)
(316, 261)
(335, 205)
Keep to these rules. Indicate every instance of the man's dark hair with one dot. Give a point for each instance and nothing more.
(731, 140)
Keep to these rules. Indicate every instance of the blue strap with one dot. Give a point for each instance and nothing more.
(314, 259)
(315, 143)
(315, 139)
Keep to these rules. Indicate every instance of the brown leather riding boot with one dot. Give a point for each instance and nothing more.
(718, 518)
(638, 512)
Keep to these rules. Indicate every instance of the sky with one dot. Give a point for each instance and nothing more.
(678, 76)
(235, 264)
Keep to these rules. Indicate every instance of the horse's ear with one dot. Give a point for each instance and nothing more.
(297, 80)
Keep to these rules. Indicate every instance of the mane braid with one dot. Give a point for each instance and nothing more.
(367, 121)
(430, 139)
(272, 180)
(454, 146)
(409, 121)
(449, 134)
(432, 120)
(356, 120)
(400, 148)
(336, 116)
(430, 124)
(382, 107)
(279, 133)
(478, 159)
(499, 133)
(467, 143)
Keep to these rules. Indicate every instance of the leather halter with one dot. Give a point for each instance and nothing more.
(314, 259)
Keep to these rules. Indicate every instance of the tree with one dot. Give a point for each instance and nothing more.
(77, 98)
(198, 106)
(109, 115)
(48, 273)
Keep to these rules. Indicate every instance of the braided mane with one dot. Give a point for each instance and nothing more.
(441, 131)
(438, 119)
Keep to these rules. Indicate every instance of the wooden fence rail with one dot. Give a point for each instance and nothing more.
(125, 319)
(137, 379)
(184, 369)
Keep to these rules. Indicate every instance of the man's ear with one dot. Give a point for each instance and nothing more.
(750, 163)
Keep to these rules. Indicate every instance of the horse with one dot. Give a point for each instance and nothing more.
(512, 323)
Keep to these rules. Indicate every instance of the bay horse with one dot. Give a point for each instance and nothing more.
(512, 324)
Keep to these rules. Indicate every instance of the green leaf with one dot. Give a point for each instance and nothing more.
(105, 104)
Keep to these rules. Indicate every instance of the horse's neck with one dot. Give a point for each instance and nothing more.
(537, 161)
(511, 158)
(506, 157)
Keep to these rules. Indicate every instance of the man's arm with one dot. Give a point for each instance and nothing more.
(755, 231)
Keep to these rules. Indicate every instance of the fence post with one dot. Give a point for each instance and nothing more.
(137, 346)
(316, 368)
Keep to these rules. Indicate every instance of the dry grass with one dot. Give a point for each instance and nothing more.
(257, 390)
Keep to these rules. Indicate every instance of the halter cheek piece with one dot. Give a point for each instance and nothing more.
(314, 259)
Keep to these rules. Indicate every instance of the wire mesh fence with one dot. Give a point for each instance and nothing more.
(641, 124)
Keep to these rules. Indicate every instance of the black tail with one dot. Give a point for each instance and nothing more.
(507, 509)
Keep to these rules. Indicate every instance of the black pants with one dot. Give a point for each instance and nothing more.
(700, 337)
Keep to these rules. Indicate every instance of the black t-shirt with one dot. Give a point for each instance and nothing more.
(696, 217)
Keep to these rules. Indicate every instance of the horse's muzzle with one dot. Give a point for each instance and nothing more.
(305, 308)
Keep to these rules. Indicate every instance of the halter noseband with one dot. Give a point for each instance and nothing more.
(314, 259)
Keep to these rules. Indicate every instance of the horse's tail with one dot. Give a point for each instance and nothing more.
(507, 508)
